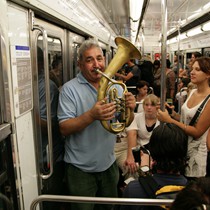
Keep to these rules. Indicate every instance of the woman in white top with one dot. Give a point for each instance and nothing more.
(197, 133)
(140, 130)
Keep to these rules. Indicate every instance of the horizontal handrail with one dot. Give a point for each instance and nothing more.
(101, 200)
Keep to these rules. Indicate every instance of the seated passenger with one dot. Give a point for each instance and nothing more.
(168, 149)
(138, 133)
(195, 196)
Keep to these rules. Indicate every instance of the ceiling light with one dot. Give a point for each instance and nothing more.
(206, 6)
(183, 36)
(173, 40)
(192, 17)
(206, 26)
(135, 9)
(194, 31)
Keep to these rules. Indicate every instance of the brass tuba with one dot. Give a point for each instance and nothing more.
(126, 50)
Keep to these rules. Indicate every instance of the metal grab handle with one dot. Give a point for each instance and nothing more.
(47, 95)
(101, 200)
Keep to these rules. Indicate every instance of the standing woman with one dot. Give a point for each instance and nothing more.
(157, 76)
(197, 133)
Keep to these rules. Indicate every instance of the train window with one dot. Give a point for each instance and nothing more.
(75, 42)
(55, 83)
(206, 52)
(75, 48)
(54, 60)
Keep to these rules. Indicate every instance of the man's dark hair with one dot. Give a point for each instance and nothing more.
(185, 81)
(156, 63)
(56, 61)
(40, 59)
(168, 148)
(142, 83)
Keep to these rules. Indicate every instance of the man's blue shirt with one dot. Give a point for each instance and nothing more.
(92, 149)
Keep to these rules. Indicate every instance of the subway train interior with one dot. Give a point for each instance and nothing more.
(58, 28)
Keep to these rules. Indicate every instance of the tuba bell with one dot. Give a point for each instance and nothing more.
(107, 87)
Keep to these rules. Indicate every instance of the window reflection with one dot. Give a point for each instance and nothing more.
(55, 82)
(54, 184)
(75, 47)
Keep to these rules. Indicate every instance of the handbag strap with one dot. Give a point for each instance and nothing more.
(198, 111)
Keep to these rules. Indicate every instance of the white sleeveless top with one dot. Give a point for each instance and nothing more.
(139, 124)
(197, 149)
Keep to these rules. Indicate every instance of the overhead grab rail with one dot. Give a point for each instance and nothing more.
(101, 200)
(47, 94)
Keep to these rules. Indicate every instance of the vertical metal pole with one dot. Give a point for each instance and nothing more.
(178, 66)
(142, 37)
(178, 51)
(163, 53)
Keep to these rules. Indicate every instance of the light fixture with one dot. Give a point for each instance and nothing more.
(206, 6)
(135, 13)
(183, 36)
(173, 40)
(135, 9)
(194, 31)
(206, 26)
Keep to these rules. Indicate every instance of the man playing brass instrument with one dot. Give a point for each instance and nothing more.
(91, 169)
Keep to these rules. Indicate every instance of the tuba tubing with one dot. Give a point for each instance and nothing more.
(126, 50)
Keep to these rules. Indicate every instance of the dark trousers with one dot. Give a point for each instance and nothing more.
(55, 186)
(99, 184)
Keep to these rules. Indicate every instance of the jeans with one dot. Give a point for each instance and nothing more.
(97, 184)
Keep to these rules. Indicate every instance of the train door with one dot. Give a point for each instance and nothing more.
(21, 107)
(48, 51)
(74, 41)
(8, 194)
